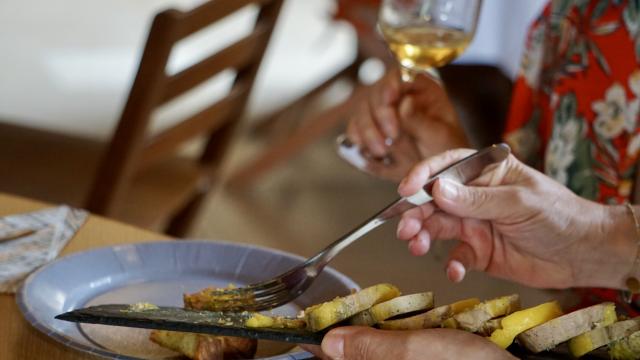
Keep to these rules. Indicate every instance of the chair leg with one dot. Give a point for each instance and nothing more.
(181, 223)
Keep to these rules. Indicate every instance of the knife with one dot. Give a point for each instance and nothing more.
(195, 321)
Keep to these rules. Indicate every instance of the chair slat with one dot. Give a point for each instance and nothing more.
(202, 122)
(210, 12)
(237, 56)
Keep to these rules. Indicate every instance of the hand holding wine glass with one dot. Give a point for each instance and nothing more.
(404, 121)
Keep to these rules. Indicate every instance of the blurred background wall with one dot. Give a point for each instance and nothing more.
(67, 65)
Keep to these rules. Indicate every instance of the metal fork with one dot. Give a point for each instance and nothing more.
(289, 285)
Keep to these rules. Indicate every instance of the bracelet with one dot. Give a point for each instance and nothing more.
(632, 282)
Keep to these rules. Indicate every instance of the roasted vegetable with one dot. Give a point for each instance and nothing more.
(589, 341)
(563, 328)
(210, 299)
(519, 321)
(627, 348)
(205, 347)
(258, 320)
(430, 319)
(490, 326)
(473, 319)
(394, 307)
(321, 316)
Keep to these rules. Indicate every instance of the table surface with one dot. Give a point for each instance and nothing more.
(18, 340)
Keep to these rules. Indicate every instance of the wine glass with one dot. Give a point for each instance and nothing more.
(423, 35)
(427, 34)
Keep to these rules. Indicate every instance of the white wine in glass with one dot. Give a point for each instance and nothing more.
(427, 34)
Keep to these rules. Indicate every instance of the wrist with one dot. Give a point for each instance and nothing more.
(612, 244)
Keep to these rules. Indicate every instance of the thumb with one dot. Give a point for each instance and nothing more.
(484, 203)
(360, 343)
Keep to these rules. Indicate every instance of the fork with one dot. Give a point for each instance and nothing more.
(291, 284)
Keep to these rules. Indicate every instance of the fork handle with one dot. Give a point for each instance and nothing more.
(463, 171)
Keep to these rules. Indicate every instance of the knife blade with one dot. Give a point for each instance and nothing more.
(180, 319)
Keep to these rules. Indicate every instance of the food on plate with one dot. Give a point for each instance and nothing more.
(598, 337)
(490, 326)
(205, 347)
(537, 329)
(473, 319)
(323, 315)
(519, 321)
(211, 297)
(394, 307)
(627, 348)
(258, 320)
(556, 331)
(430, 319)
(142, 306)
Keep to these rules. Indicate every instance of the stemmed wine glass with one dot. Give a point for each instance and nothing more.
(423, 35)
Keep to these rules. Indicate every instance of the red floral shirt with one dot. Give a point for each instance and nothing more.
(574, 111)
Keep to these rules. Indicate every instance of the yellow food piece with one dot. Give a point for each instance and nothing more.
(142, 306)
(472, 319)
(627, 348)
(321, 316)
(463, 305)
(258, 320)
(523, 320)
(604, 335)
(394, 307)
(430, 319)
(553, 332)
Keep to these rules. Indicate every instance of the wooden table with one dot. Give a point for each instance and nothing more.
(18, 340)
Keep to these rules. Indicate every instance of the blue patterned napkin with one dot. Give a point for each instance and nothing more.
(28, 241)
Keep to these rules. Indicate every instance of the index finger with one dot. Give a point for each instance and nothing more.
(422, 171)
(388, 89)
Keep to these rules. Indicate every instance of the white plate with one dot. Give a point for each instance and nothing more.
(159, 273)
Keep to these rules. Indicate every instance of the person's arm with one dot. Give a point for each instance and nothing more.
(518, 224)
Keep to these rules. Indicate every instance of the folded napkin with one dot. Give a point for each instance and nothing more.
(28, 241)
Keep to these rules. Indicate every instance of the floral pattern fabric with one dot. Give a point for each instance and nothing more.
(576, 102)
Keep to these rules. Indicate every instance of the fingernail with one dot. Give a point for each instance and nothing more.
(401, 225)
(425, 241)
(388, 141)
(456, 271)
(448, 189)
(333, 346)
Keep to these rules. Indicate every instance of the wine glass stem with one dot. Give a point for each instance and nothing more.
(407, 75)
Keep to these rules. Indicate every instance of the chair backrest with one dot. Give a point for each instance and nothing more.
(132, 148)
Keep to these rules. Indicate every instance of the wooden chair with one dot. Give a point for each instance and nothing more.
(141, 178)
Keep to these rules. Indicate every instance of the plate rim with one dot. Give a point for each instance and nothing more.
(28, 314)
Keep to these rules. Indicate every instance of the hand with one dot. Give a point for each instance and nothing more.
(363, 343)
(516, 223)
(417, 118)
